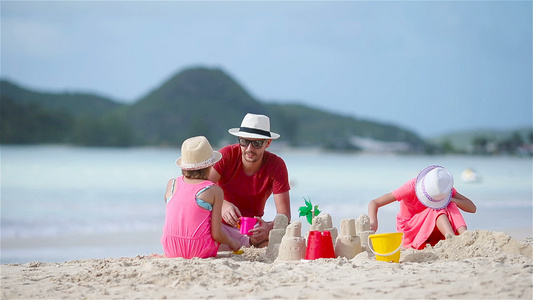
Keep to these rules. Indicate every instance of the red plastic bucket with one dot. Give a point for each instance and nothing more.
(319, 245)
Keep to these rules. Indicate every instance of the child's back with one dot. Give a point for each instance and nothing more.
(187, 229)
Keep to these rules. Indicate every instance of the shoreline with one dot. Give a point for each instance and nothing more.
(477, 264)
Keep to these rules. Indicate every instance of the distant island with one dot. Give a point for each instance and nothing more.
(487, 142)
(199, 101)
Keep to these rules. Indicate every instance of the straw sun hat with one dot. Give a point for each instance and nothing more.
(197, 153)
(255, 127)
(434, 187)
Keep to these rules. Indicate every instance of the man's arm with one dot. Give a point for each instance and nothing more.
(214, 176)
(260, 234)
(283, 204)
(230, 212)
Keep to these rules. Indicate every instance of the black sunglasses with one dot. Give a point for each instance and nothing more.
(257, 144)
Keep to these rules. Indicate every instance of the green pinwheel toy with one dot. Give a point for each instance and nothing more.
(308, 211)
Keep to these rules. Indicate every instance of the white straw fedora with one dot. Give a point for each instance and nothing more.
(197, 153)
(434, 187)
(255, 127)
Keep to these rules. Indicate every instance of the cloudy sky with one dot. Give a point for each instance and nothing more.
(429, 66)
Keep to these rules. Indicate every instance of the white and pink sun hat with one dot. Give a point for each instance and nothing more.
(434, 187)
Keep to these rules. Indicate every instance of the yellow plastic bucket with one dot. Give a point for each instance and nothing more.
(386, 246)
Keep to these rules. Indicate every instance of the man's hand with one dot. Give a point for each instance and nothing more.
(230, 214)
(259, 235)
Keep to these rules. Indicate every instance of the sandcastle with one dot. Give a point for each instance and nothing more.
(276, 234)
(292, 246)
(287, 243)
(323, 222)
(317, 245)
(362, 228)
(348, 244)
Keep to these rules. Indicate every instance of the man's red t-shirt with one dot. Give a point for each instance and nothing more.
(250, 193)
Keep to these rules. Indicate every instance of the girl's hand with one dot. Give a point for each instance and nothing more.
(374, 226)
(464, 203)
(373, 207)
(230, 214)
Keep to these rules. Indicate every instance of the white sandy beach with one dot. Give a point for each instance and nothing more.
(477, 264)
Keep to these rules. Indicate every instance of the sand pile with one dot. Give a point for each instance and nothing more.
(498, 246)
(478, 264)
(482, 243)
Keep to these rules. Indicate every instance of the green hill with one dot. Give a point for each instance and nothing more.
(196, 101)
(30, 117)
(31, 124)
(76, 104)
(310, 126)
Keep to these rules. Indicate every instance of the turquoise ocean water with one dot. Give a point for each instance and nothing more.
(61, 203)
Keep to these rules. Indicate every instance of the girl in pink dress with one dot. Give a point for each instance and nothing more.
(429, 208)
(193, 222)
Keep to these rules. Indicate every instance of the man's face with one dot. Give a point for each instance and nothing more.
(253, 149)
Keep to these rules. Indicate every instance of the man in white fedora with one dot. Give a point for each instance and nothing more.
(248, 174)
(429, 208)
